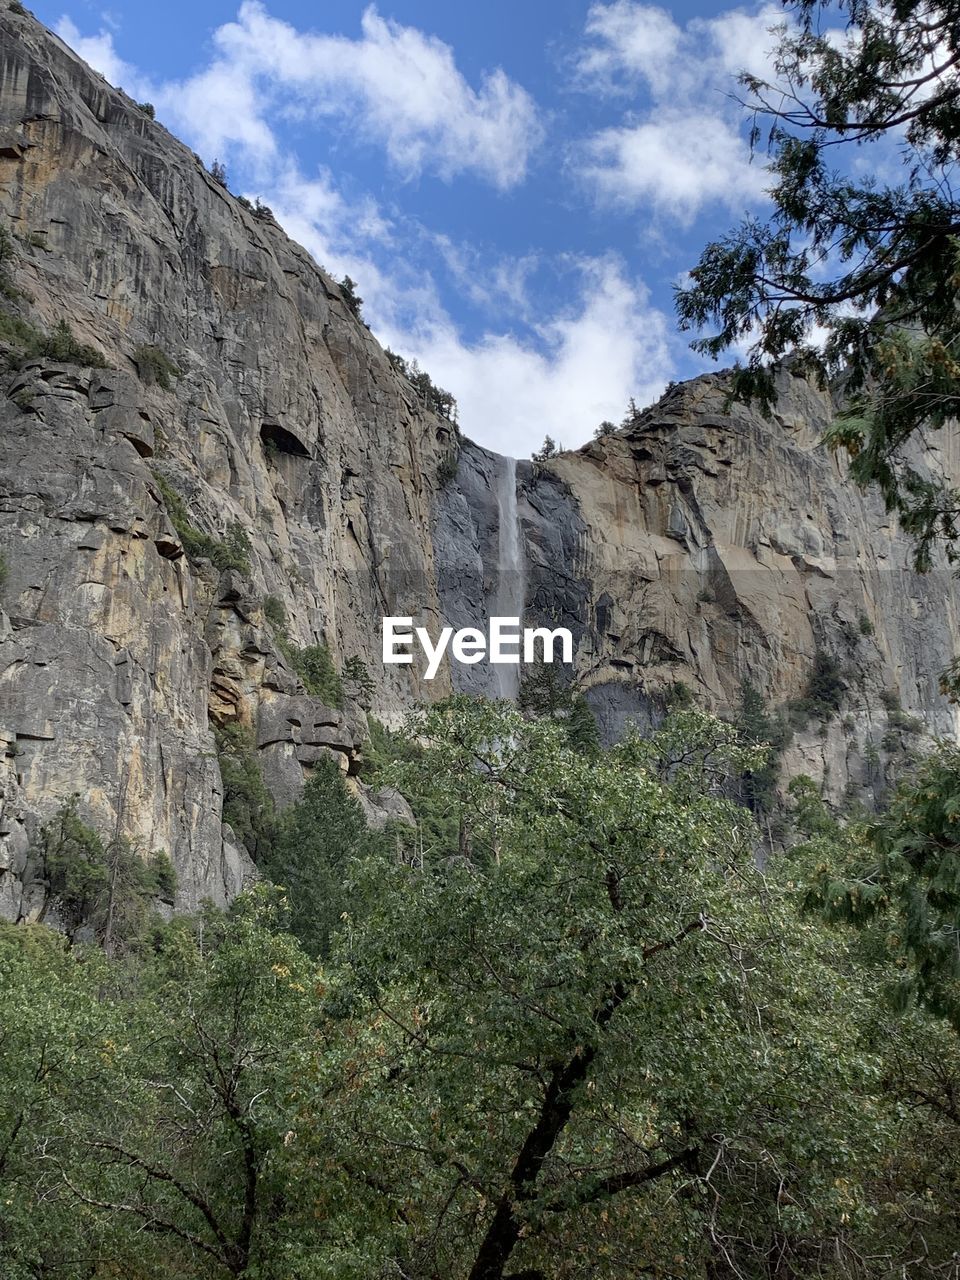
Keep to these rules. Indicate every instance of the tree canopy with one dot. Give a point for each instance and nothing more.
(855, 272)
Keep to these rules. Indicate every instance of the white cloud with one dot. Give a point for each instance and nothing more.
(582, 368)
(636, 40)
(675, 156)
(396, 87)
(559, 373)
(677, 162)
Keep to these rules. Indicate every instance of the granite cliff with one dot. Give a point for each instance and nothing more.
(248, 475)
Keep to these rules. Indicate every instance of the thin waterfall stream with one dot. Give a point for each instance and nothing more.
(511, 576)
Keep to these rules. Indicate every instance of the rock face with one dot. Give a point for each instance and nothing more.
(706, 544)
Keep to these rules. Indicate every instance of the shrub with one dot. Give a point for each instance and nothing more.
(16, 7)
(155, 366)
(63, 346)
(275, 612)
(865, 625)
(314, 665)
(677, 694)
(897, 718)
(230, 552)
(148, 109)
(823, 693)
(357, 677)
(447, 471)
(218, 172)
(606, 428)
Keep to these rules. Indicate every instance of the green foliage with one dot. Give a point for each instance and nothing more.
(247, 803)
(678, 694)
(314, 664)
(8, 253)
(864, 625)
(21, 335)
(348, 290)
(585, 1037)
(823, 694)
(887, 298)
(564, 1022)
(230, 552)
(148, 109)
(432, 397)
(909, 877)
(606, 428)
(897, 718)
(310, 854)
(315, 667)
(218, 172)
(103, 886)
(389, 755)
(758, 787)
(62, 345)
(549, 449)
(358, 681)
(275, 612)
(545, 692)
(583, 733)
(155, 366)
(447, 470)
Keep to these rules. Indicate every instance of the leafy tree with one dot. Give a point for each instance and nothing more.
(193, 1156)
(247, 803)
(53, 1027)
(872, 261)
(758, 787)
(907, 874)
(104, 886)
(218, 172)
(310, 855)
(563, 1029)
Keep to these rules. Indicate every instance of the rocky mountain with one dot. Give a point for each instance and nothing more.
(235, 475)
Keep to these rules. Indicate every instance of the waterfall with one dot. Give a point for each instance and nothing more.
(509, 593)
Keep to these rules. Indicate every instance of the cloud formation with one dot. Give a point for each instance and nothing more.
(533, 372)
(397, 87)
(686, 148)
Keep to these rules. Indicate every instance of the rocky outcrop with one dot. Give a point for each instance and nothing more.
(170, 538)
(710, 544)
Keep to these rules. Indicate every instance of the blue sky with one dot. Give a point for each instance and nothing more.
(515, 186)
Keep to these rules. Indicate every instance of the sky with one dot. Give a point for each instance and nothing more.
(516, 187)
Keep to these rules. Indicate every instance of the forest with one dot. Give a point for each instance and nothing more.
(566, 1026)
